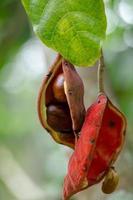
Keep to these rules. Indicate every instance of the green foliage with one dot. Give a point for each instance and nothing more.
(14, 29)
(73, 28)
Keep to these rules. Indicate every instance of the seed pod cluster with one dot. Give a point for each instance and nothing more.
(97, 136)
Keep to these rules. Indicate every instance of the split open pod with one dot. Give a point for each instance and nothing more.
(60, 104)
(100, 142)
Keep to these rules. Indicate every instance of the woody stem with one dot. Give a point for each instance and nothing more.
(101, 67)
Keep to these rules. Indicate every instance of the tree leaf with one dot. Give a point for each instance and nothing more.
(74, 28)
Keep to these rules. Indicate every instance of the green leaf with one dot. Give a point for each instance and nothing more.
(74, 28)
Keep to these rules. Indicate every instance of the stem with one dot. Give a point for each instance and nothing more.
(101, 67)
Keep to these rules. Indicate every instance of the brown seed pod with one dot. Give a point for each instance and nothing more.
(60, 103)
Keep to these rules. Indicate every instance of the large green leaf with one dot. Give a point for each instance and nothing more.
(74, 28)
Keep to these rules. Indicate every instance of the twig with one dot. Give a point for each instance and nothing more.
(101, 67)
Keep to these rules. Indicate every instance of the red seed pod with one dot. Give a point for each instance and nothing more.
(60, 103)
(101, 140)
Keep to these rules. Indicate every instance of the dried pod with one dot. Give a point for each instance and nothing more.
(60, 103)
(101, 140)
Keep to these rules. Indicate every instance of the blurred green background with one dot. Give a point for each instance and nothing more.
(32, 166)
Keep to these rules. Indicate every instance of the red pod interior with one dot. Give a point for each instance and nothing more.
(99, 144)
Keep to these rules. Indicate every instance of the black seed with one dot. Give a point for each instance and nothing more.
(58, 118)
(92, 141)
(111, 123)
